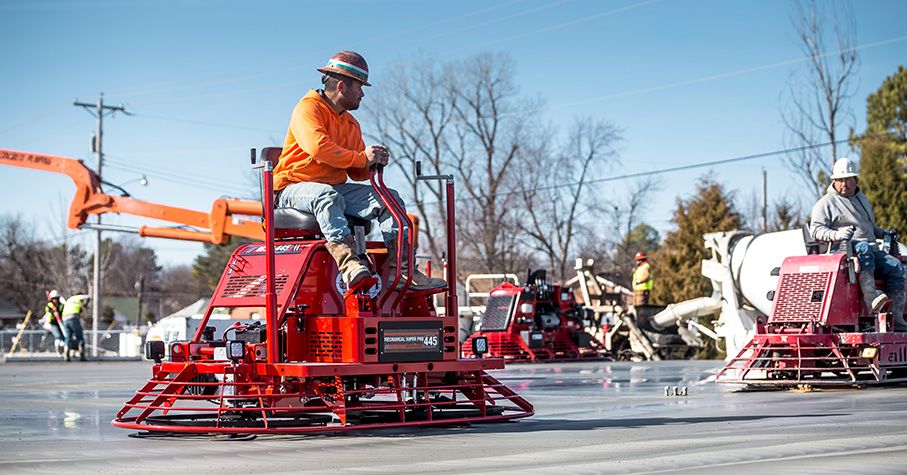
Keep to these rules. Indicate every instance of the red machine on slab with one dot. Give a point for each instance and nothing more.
(820, 333)
(325, 358)
(538, 322)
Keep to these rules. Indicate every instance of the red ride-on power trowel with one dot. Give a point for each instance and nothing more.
(820, 333)
(537, 322)
(324, 358)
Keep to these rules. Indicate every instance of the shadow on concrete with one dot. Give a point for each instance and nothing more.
(516, 426)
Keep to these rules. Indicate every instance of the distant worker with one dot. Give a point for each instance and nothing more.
(322, 149)
(844, 213)
(72, 326)
(642, 280)
(53, 319)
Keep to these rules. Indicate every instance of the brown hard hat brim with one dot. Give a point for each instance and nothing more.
(342, 73)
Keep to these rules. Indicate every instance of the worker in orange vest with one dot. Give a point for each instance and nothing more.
(324, 149)
(642, 280)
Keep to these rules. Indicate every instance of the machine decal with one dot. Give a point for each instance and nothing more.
(259, 249)
(410, 341)
(896, 354)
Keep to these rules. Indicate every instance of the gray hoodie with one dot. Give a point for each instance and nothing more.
(833, 211)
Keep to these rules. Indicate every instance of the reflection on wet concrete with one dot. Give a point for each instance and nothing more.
(591, 417)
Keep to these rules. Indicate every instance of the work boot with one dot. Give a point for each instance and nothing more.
(82, 352)
(420, 280)
(351, 268)
(874, 297)
(897, 311)
(68, 355)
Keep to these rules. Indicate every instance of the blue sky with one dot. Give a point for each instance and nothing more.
(208, 80)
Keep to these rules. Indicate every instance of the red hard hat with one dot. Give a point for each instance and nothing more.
(640, 256)
(349, 64)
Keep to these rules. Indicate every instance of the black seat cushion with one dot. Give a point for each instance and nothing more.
(292, 218)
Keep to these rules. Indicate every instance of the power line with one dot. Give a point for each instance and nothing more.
(504, 18)
(724, 75)
(664, 170)
(122, 163)
(203, 123)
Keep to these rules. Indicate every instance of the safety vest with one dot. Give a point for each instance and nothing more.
(73, 308)
(638, 282)
(54, 312)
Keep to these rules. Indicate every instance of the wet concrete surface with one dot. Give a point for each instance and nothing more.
(591, 417)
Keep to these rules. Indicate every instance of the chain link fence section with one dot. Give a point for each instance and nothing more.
(113, 343)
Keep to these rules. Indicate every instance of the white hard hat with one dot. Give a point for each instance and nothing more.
(843, 168)
(54, 294)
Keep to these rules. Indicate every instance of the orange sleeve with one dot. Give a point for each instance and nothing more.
(359, 173)
(307, 125)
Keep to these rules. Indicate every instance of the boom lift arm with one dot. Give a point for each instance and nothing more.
(215, 227)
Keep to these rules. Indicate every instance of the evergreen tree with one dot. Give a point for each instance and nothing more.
(208, 267)
(883, 166)
(677, 262)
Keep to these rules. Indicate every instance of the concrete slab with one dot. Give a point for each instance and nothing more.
(599, 417)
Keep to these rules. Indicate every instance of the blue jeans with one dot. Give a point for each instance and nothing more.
(329, 204)
(57, 333)
(882, 265)
(72, 328)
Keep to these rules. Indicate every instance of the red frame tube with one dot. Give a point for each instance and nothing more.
(403, 222)
(451, 307)
(267, 176)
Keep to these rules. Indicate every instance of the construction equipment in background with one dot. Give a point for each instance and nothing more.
(214, 227)
(819, 331)
(325, 358)
(536, 322)
(626, 330)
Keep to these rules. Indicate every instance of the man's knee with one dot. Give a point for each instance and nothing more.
(329, 199)
(865, 255)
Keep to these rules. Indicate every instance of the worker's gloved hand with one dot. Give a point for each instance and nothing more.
(844, 234)
(376, 155)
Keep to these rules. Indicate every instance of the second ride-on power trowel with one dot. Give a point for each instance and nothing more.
(325, 358)
(820, 331)
(540, 321)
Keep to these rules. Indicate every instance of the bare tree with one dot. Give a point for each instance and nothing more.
(412, 114)
(626, 233)
(554, 184)
(29, 267)
(817, 110)
(492, 134)
(466, 118)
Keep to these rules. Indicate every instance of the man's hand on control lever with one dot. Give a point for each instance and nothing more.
(844, 234)
(376, 155)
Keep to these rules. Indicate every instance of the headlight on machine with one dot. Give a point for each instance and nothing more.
(869, 353)
(236, 350)
(154, 350)
(479, 346)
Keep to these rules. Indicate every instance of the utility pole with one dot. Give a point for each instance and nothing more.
(764, 201)
(140, 285)
(98, 110)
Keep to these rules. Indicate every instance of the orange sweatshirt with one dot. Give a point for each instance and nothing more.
(321, 146)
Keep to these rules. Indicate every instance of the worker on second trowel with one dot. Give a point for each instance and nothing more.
(642, 280)
(72, 326)
(844, 213)
(323, 148)
(53, 319)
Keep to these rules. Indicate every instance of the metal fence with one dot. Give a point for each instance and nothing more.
(110, 343)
